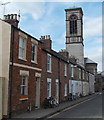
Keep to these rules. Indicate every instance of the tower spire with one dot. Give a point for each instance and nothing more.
(74, 34)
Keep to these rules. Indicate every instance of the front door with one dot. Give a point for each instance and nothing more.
(57, 91)
(37, 103)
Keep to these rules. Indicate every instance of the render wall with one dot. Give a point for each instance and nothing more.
(0, 70)
(85, 88)
(1, 98)
(75, 87)
(91, 83)
(5, 36)
(76, 50)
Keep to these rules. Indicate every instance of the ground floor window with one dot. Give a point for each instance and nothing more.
(65, 90)
(48, 87)
(24, 85)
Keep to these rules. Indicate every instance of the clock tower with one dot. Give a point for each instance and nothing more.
(74, 34)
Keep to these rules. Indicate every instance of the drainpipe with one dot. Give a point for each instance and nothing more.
(11, 72)
(82, 80)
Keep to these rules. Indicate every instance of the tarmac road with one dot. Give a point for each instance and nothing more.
(91, 108)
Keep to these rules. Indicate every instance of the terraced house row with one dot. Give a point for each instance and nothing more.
(32, 71)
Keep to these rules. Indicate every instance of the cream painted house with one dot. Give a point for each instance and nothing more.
(5, 36)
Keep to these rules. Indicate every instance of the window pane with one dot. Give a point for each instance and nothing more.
(21, 47)
(33, 52)
(48, 89)
(23, 90)
(49, 63)
(73, 25)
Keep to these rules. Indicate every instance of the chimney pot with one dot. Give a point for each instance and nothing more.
(11, 19)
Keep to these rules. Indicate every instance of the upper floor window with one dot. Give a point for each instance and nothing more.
(34, 52)
(87, 76)
(72, 71)
(79, 73)
(83, 74)
(73, 24)
(22, 48)
(65, 69)
(48, 63)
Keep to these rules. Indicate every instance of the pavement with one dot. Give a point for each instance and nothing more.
(44, 113)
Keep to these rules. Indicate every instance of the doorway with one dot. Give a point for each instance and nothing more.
(57, 91)
(37, 102)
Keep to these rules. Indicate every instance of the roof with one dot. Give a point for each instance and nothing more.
(21, 30)
(74, 8)
(102, 73)
(58, 55)
(87, 60)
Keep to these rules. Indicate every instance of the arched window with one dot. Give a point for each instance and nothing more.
(73, 24)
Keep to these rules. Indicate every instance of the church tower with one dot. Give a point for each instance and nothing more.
(74, 34)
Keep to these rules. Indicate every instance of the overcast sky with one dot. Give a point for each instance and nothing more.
(48, 18)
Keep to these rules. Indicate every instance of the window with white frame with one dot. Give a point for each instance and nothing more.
(22, 47)
(65, 69)
(79, 73)
(83, 74)
(87, 75)
(24, 85)
(34, 52)
(48, 87)
(65, 90)
(48, 63)
(72, 70)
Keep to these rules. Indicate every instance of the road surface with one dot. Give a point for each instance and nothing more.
(91, 108)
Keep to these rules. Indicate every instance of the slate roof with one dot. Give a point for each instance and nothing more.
(87, 60)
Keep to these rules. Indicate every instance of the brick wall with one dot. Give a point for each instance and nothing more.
(18, 65)
(57, 73)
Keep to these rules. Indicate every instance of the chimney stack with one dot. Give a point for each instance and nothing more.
(47, 42)
(11, 19)
(64, 53)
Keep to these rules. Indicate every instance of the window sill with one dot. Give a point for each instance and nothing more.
(22, 59)
(23, 99)
(34, 62)
(65, 95)
(65, 75)
(49, 71)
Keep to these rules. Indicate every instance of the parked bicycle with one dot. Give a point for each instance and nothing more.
(50, 102)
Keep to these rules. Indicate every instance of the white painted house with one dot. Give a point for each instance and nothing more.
(5, 36)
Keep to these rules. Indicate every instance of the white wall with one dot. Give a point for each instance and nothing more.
(85, 88)
(0, 98)
(76, 50)
(0, 48)
(5, 36)
(75, 87)
(91, 83)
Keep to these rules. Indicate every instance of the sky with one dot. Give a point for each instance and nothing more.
(48, 18)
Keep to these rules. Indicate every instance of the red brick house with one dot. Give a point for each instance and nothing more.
(24, 69)
(55, 71)
(35, 71)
